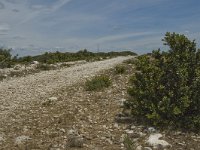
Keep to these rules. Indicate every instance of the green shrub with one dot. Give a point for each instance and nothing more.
(130, 61)
(97, 83)
(165, 89)
(128, 143)
(119, 69)
(45, 67)
(5, 58)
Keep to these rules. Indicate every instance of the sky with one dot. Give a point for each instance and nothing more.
(32, 27)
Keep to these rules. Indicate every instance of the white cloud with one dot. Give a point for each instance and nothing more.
(121, 36)
(4, 27)
(59, 4)
(38, 10)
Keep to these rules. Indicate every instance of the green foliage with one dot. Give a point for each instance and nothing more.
(97, 83)
(55, 57)
(45, 67)
(128, 143)
(119, 69)
(165, 88)
(130, 61)
(5, 58)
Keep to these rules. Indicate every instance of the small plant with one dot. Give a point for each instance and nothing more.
(128, 143)
(45, 67)
(97, 83)
(119, 69)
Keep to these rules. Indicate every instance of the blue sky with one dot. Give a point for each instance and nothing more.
(34, 26)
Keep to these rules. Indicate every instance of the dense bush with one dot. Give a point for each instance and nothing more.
(5, 58)
(119, 69)
(165, 89)
(97, 83)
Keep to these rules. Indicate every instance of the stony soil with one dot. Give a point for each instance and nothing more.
(39, 111)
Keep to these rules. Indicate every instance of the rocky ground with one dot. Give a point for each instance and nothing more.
(20, 70)
(53, 111)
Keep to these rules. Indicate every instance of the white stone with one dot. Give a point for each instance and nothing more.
(109, 141)
(154, 140)
(103, 138)
(142, 134)
(5, 75)
(21, 139)
(129, 131)
(53, 98)
(133, 127)
(122, 102)
(139, 147)
(116, 125)
(71, 132)
(35, 62)
(62, 130)
(151, 129)
(1, 138)
(17, 67)
(147, 148)
(49, 101)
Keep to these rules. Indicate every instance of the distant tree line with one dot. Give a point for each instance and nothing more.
(7, 60)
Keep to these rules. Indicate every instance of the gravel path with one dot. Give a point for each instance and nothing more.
(20, 92)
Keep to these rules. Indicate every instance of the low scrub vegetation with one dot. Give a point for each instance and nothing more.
(6, 59)
(120, 69)
(97, 83)
(165, 89)
(45, 67)
(130, 61)
(55, 57)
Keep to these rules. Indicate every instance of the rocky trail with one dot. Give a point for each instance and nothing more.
(51, 110)
(20, 92)
(26, 96)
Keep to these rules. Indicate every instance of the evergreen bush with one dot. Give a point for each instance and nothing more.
(119, 69)
(166, 87)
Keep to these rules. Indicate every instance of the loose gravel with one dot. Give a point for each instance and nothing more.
(21, 92)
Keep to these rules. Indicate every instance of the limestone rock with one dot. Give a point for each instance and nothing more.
(49, 101)
(22, 139)
(1, 138)
(151, 130)
(139, 147)
(35, 62)
(154, 140)
(147, 148)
